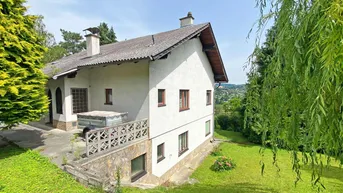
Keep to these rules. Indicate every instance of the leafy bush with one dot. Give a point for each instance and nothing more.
(222, 164)
(232, 122)
(216, 151)
(223, 121)
(236, 122)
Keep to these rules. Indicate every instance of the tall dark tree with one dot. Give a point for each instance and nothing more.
(54, 51)
(48, 39)
(262, 57)
(22, 83)
(72, 42)
(107, 34)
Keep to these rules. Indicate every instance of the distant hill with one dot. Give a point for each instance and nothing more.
(225, 92)
(231, 86)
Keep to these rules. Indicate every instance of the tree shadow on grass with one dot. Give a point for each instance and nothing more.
(232, 188)
(328, 172)
(18, 141)
(10, 150)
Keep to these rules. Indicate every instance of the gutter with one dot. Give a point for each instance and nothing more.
(64, 73)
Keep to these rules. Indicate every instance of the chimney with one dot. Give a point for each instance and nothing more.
(186, 21)
(92, 41)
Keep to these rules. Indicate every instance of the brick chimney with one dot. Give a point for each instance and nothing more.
(186, 21)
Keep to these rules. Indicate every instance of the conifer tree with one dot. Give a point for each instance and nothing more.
(22, 82)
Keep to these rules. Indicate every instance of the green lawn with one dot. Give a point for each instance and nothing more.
(232, 136)
(246, 177)
(27, 171)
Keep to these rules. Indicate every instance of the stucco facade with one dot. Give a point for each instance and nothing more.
(187, 67)
(129, 83)
(135, 90)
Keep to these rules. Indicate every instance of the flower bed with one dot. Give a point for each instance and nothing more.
(222, 164)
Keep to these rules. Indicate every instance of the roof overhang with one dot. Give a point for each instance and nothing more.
(55, 77)
(211, 49)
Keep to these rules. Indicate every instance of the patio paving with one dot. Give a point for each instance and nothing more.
(50, 142)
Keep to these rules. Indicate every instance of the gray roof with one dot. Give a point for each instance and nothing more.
(133, 49)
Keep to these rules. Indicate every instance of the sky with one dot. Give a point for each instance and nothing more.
(231, 21)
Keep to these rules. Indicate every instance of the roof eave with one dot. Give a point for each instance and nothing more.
(167, 51)
(226, 80)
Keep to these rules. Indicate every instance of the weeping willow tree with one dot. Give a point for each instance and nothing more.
(300, 101)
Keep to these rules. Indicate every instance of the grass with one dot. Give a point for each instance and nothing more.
(246, 177)
(27, 171)
(232, 136)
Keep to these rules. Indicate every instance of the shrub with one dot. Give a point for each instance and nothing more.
(216, 151)
(222, 164)
(223, 121)
(235, 122)
(232, 122)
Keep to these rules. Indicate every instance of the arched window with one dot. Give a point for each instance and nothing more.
(59, 101)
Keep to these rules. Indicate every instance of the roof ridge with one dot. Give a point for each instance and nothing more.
(155, 34)
(132, 49)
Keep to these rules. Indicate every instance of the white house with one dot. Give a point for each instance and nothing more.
(167, 78)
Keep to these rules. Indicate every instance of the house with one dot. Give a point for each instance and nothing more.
(166, 79)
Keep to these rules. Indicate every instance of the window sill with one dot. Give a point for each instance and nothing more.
(108, 103)
(160, 159)
(184, 109)
(183, 151)
(207, 134)
(137, 176)
(162, 105)
(208, 104)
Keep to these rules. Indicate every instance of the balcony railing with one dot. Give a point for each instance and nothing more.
(111, 138)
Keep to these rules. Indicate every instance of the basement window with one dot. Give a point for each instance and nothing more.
(138, 167)
(183, 143)
(208, 128)
(160, 152)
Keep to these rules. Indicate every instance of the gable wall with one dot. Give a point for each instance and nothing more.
(187, 67)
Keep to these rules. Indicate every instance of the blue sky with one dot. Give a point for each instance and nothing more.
(231, 21)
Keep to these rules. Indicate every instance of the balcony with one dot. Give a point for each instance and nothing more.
(102, 140)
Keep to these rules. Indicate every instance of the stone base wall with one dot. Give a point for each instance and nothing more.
(66, 126)
(106, 165)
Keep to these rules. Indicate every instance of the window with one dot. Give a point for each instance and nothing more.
(160, 152)
(138, 168)
(108, 95)
(183, 143)
(80, 100)
(208, 127)
(184, 100)
(208, 97)
(58, 95)
(161, 97)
